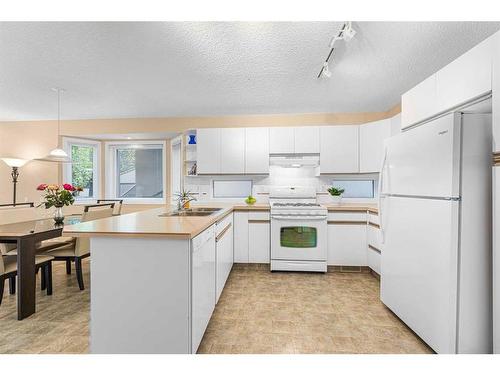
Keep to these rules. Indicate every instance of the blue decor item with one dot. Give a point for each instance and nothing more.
(192, 139)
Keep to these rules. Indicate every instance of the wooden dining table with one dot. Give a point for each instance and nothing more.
(26, 235)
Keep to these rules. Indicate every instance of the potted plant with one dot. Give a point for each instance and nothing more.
(184, 198)
(58, 197)
(336, 194)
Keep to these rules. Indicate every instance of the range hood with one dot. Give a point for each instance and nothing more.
(294, 160)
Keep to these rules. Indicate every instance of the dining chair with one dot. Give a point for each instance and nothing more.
(8, 270)
(80, 249)
(118, 205)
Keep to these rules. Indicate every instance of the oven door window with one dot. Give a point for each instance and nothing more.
(298, 237)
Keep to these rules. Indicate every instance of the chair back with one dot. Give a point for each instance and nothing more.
(2, 267)
(6, 247)
(118, 204)
(90, 213)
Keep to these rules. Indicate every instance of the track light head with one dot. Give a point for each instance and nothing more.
(348, 32)
(326, 71)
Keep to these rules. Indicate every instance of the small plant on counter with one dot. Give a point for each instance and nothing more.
(250, 200)
(335, 192)
(184, 198)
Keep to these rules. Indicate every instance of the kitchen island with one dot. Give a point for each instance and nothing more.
(153, 278)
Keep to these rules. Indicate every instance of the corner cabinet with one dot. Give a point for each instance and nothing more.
(252, 233)
(339, 149)
(347, 239)
(371, 145)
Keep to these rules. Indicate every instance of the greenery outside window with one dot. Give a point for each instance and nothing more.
(84, 170)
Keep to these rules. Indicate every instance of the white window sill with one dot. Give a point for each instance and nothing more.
(142, 200)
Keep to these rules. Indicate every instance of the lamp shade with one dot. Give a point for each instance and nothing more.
(13, 162)
(57, 155)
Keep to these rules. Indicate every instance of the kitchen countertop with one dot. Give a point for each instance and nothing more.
(149, 224)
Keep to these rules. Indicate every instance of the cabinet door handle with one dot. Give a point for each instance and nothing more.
(223, 232)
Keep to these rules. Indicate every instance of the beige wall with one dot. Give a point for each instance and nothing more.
(33, 139)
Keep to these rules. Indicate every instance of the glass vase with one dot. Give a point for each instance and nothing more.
(58, 215)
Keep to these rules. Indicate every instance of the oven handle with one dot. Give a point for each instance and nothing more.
(298, 218)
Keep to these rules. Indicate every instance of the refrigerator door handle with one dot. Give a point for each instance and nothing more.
(380, 189)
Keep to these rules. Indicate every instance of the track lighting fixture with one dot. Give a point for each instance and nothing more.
(346, 33)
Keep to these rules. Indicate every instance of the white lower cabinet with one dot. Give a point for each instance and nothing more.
(374, 260)
(240, 221)
(252, 237)
(259, 237)
(224, 253)
(347, 243)
(202, 284)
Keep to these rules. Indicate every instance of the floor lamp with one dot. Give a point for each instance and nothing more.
(15, 164)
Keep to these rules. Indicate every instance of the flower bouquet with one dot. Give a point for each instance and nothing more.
(58, 196)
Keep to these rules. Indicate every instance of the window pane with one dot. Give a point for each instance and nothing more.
(139, 173)
(298, 237)
(232, 189)
(82, 169)
(356, 188)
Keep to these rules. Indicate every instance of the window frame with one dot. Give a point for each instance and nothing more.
(231, 180)
(67, 169)
(110, 151)
(174, 142)
(373, 179)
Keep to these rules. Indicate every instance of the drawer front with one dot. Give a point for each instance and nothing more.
(374, 260)
(373, 218)
(374, 237)
(221, 225)
(347, 216)
(258, 216)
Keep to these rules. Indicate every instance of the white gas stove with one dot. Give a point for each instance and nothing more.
(298, 230)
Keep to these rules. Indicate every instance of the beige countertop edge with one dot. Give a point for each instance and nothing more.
(101, 228)
(352, 208)
(178, 236)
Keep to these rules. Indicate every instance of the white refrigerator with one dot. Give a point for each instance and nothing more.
(435, 212)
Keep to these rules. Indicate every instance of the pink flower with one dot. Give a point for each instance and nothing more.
(68, 187)
(41, 187)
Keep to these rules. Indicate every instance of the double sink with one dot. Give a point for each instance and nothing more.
(198, 211)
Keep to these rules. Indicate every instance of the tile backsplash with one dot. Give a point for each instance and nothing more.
(278, 176)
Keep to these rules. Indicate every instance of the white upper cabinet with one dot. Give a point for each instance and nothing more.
(339, 149)
(465, 78)
(461, 81)
(257, 150)
(232, 150)
(281, 140)
(396, 124)
(307, 140)
(371, 144)
(419, 103)
(208, 150)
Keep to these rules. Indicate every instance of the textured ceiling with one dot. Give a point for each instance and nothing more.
(113, 70)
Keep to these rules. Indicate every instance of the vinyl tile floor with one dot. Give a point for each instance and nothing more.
(258, 312)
